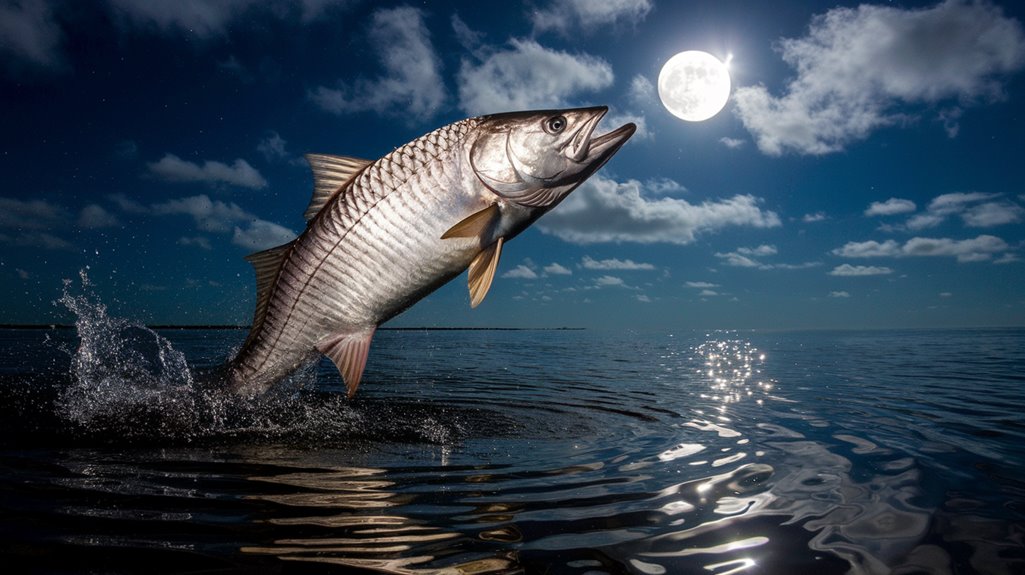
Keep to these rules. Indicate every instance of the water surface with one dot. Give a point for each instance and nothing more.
(518, 451)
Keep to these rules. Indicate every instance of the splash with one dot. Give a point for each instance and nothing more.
(130, 383)
(124, 375)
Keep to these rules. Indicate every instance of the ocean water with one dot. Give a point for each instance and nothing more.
(579, 452)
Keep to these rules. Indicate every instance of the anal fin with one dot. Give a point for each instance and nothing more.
(482, 272)
(348, 351)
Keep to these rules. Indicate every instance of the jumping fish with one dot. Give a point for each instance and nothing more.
(381, 235)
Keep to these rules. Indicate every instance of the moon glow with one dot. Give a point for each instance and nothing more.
(694, 85)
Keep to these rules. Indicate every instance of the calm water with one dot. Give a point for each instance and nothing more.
(518, 451)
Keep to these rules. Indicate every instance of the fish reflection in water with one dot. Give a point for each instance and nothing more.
(353, 506)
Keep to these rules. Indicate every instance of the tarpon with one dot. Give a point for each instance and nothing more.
(381, 235)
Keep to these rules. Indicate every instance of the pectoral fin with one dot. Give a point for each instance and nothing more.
(348, 351)
(482, 268)
(482, 271)
(475, 225)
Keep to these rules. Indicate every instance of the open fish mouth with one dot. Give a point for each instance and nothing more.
(605, 145)
(585, 149)
(599, 149)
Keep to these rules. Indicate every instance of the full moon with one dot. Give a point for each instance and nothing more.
(694, 85)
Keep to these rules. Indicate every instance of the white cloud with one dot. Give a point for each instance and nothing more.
(272, 147)
(209, 18)
(617, 119)
(31, 222)
(926, 220)
(974, 209)
(869, 249)
(128, 205)
(663, 187)
(731, 143)
(216, 216)
(981, 248)
(203, 18)
(30, 214)
(701, 285)
(261, 235)
(762, 250)
(708, 293)
(95, 216)
(240, 173)
(555, 269)
(992, 214)
(30, 35)
(977, 249)
(603, 210)
(737, 260)
(610, 281)
(848, 270)
(196, 241)
(528, 76)
(564, 15)
(890, 207)
(642, 92)
(816, 217)
(209, 215)
(643, 298)
(857, 68)
(411, 84)
(521, 272)
(311, 10)
(36, 239)
(468, 38)
(614, 264)
(950, 118)
(785, 266)
(745, 258)
(839, 294)
(953, 203)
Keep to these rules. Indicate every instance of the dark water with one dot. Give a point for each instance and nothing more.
(518, 451)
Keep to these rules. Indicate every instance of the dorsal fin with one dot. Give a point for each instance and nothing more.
(330, 173)
(266, 265)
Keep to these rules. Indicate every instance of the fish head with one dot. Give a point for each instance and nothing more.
(537, 158)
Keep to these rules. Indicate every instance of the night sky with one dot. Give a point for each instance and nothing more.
(867, 171)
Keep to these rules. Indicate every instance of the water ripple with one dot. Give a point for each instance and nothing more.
(651, 453)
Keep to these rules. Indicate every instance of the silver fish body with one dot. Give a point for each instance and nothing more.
(382, 235)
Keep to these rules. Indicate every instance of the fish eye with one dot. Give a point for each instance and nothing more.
(555, 124)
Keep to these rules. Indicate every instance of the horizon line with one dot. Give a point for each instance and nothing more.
(243, 327)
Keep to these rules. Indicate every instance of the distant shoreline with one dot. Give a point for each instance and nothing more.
(245, 327)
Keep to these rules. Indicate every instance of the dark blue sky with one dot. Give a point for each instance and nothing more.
(867, 171)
